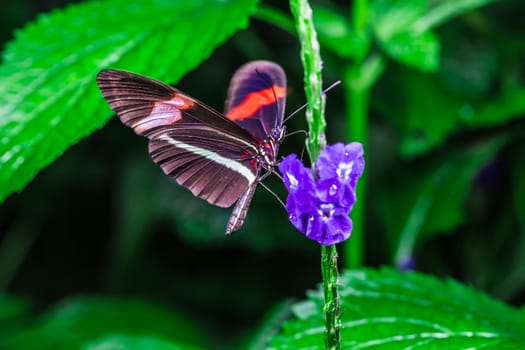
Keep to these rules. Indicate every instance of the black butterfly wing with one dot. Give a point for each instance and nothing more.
(200, 148)
(256, 97)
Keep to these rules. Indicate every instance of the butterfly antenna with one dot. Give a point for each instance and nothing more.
(297, 132)
(302, 151)
(306, 104)
(295, 112)
(304, 143)
(273, 194)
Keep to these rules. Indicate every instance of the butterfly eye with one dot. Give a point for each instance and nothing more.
(276, 133)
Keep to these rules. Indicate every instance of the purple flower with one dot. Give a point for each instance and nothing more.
(300, 184)
(328, 224)
(408, 263)
(339, 167)
(320, 209)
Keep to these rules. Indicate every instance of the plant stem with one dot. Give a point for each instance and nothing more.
(357, 97)
(332, 301)
(359, 15)
(357, 123)
(313, 82)
(358, 80)
(313, 85)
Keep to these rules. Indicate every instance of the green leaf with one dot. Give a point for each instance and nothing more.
(48, 96)
(419, 50)
(443, 10)
(386, 309)
(390, 17)
(336, 34)
(507, 106)
(393, 22)
(76, 322)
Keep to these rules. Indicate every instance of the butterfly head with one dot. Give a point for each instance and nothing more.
(269, 149)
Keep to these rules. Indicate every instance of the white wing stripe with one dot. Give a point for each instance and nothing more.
(230, 164)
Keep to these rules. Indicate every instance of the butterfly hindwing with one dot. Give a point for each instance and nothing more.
(196, 145)
(256, 98)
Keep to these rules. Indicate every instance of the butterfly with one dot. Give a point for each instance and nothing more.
(219, 157)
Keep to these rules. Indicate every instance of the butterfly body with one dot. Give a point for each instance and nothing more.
(219, 157)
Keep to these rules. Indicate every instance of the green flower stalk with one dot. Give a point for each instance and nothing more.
(316, 142)
(313, 82)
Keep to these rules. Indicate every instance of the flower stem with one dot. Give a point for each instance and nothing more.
(313, 82)
(313, 85)
(331, 297)
(357, 112)
(358, 80)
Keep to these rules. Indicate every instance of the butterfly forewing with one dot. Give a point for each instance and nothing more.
(256, 98)
(219, 158)
(199, 147)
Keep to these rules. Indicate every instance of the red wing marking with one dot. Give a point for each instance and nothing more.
(255, 101)
(165, 112)
(177, 98)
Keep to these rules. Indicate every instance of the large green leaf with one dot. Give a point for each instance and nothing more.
(48, 96)
(86, 322)
(386, 309)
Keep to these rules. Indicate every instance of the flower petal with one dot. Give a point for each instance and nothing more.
(328, 160)
(332, 191)
(295, 175)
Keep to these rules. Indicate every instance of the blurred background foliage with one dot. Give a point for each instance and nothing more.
(445, 148)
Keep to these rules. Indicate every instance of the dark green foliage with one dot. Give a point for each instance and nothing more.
(102, 323)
